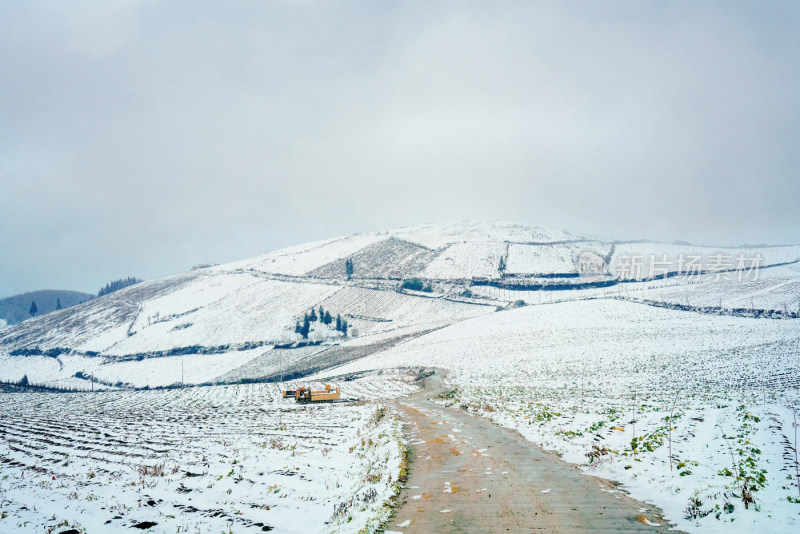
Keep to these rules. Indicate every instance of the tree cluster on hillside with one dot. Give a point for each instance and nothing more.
(415, 284)
(324, 317)
(116, 285)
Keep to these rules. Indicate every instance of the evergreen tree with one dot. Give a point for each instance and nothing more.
(321, 314)
(34, 310)
(348, 267)
(327, 319)
(23, 381)
(58, 303)
(297, 328)
(313, 316)
(502, 266)
(306, 328)
(338, 323)
(344, 328)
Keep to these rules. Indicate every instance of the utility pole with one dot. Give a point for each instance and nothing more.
(633, 422)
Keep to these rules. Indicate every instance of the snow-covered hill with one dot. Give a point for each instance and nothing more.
(209, 322)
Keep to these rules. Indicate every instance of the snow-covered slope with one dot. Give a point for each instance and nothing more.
(234, 313)
(259, 300)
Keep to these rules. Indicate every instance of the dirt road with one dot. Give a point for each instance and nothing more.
(467, 474)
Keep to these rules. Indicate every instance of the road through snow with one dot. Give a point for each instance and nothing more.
(467, 474)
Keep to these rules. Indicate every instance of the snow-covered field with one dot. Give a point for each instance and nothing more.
(207, 459)
(776, 288)
(373, 311)
(559, 258)
(465, 260)
(609, 373)
(651, 259)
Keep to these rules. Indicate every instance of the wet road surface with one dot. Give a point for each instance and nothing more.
(467, 474)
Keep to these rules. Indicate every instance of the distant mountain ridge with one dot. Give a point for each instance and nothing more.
(16, 308)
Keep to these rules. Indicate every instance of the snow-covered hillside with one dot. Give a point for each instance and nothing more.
(229, 316)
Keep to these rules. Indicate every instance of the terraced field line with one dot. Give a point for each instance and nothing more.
(467, 474)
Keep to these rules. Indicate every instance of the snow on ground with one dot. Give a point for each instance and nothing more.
(398, 309)
(373, 311)
(152, 372)
(269, 362)
(200, 314)
(210, 311)
(575, 375)
(304, 258)
(715, 438)
(505, 296)
(382, 384)
(258, 300)
(655, 346)
(207, 459)
(436, 235)
(775, 288)
(467, 260)
(570, 374)
(388, 335)
(561, 258)
(648, 255)
(231, 309)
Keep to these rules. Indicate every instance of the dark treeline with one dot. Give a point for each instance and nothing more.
(116, 285)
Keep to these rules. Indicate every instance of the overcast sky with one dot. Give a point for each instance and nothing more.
(140, 138)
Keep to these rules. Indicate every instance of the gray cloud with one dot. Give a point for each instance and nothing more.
(142, 137)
